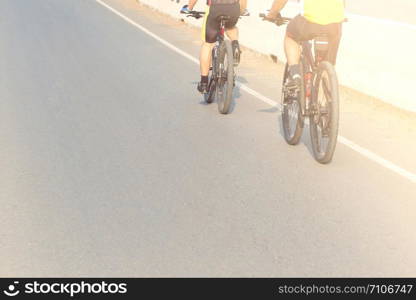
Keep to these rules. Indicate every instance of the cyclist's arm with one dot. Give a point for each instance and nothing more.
(243, 5)
(191, 4)
(276, 8)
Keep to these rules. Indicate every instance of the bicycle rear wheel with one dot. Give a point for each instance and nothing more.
(324, 120)
(225, 83)
(292, 119)
(209, 97)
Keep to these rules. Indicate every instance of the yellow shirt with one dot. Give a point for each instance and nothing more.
(324, 11)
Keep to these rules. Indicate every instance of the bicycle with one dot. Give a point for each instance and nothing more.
(222, 78)
(317, 98)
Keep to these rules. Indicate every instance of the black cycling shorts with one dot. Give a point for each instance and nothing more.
(302, 30)
(211, 26)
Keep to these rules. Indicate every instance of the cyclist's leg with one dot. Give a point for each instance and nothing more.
(210, 30)
(297, 31)
(334, 33)
(233, 33)
(233, 11)
(205, 58)
(292, 50)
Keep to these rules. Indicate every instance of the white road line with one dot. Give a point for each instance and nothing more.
(363, 151)
(148, 32)
(378, 159)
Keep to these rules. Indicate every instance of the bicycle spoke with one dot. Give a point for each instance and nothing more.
(326, 89)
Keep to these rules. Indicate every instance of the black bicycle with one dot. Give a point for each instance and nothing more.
(222, 77)
(316, 98)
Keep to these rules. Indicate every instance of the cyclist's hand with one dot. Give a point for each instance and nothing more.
(277, 19)
(185, 10)
(269, 18)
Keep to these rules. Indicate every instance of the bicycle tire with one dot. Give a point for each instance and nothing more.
(209, 97)
(225, 81)
(325, 119)
(292, 119)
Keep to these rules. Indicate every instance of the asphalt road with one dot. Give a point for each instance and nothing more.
(110, 165)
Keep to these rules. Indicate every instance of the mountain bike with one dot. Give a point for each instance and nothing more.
(222, 73)
(317, 98)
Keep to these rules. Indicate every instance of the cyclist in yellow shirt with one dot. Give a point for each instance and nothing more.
(318, 17)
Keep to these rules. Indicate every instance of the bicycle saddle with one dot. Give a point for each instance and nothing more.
(224, 18)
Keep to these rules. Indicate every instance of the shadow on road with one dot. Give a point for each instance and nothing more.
(236, 93)
(305, 138)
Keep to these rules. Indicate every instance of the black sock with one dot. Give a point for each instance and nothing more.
(294, 70)
(204, 79)
(235, 44)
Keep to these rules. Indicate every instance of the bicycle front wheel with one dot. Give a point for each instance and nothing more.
(292, 119)
(324, 120)
(225, 82)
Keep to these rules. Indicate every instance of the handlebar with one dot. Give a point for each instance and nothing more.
(199, 14)
(194, 14)
(279, 21)
(283, 20)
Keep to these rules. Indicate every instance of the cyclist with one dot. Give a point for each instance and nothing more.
(210, 30)
(318, 17)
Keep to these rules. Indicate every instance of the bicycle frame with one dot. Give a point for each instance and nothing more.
(220, 39)
(309, 56)
(221, 34)
(310, 67)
